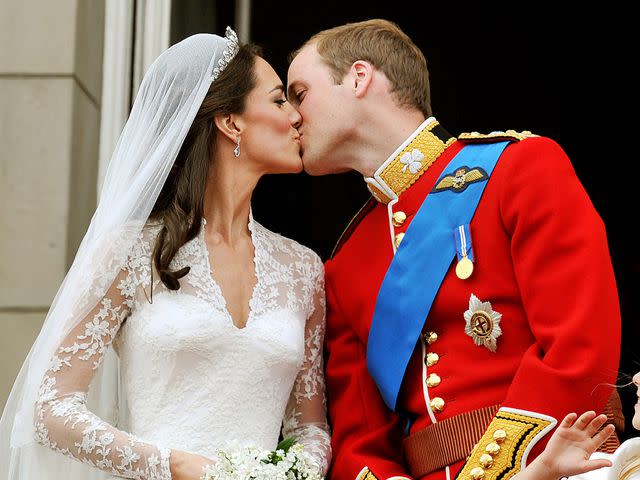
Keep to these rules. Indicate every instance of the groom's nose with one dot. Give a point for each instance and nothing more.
(295, 118)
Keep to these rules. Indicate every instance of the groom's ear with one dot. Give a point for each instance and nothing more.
(361, 76)
(228, 125)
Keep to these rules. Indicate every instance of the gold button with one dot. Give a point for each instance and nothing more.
(430, 337)
(432, 359)
(499, 436)
(477, 473)
(398, 218)
(486, 460)
(437, 404)
(493, 449)
(433, 380)
(398, 239)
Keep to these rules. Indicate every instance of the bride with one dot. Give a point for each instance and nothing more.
(216, 323)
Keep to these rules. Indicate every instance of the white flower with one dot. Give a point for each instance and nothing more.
(247, 463)
(412, 160)
(482, 323)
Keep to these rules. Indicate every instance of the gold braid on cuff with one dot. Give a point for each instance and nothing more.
(500, 451)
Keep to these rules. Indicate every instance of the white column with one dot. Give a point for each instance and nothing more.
(50, 90)
(116, 78)
(243, 20)
(153, 23)
(133, 40)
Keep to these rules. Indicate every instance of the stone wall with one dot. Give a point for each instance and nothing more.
(50, 89)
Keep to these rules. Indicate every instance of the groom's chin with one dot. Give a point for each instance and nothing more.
(319, 168)
(310, 167)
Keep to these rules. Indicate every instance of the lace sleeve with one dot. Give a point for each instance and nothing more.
(305, 415)
(62, 420)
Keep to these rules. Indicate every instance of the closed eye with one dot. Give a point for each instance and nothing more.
(295, 97)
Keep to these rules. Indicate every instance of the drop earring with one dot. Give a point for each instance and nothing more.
(236, 151)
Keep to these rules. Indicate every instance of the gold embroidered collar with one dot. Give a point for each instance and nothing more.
(409, 161)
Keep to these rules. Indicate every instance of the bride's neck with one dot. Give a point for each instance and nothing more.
(227, 200)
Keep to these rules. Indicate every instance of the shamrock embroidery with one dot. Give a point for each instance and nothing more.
(412, 160)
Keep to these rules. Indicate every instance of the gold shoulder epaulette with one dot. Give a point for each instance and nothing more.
(511, 135)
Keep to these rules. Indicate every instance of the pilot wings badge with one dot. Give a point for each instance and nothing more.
(460, 179)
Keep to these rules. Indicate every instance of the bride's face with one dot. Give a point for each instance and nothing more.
(636, 417)
(269, 137)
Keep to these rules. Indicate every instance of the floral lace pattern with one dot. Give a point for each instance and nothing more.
(189, 378)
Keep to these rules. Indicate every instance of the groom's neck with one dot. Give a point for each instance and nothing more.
(381, 136)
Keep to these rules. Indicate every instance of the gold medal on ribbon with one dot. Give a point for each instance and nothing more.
(464, 268)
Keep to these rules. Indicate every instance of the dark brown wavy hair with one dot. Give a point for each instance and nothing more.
(179, 208)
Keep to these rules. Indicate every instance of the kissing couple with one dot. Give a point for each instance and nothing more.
(449, 334)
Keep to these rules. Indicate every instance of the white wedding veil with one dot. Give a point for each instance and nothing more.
(169, 97)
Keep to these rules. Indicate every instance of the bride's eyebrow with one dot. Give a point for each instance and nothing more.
(278, 87)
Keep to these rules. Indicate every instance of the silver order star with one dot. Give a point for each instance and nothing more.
(482, 323)
(412, 160)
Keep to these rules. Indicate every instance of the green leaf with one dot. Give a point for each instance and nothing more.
(286, 444)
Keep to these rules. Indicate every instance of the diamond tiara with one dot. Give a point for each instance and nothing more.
(229, 52)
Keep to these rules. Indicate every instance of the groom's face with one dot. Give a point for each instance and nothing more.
(324, 107)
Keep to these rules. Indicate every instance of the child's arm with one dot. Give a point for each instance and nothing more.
(569, 449)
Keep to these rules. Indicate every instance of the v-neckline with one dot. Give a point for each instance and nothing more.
(217, 289)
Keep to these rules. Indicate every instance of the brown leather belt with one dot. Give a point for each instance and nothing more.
(452, 439)
(446, 442)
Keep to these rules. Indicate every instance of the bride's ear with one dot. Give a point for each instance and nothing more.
(228, 125)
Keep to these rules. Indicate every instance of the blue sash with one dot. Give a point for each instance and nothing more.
(419, 267)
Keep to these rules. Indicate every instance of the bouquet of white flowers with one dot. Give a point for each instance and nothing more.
(288, 461)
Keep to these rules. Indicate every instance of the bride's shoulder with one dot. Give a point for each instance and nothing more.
(132, 243)
(146, 237)
(151, 229)
(290, 249)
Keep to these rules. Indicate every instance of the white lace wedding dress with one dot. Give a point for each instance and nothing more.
(190, 379)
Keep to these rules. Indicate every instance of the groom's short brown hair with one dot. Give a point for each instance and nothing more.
(383, 44)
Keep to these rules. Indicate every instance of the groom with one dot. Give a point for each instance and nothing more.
(472, 300)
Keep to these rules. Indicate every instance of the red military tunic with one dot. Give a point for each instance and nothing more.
(541, 260)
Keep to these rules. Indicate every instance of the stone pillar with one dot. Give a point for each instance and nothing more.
(50, 91)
